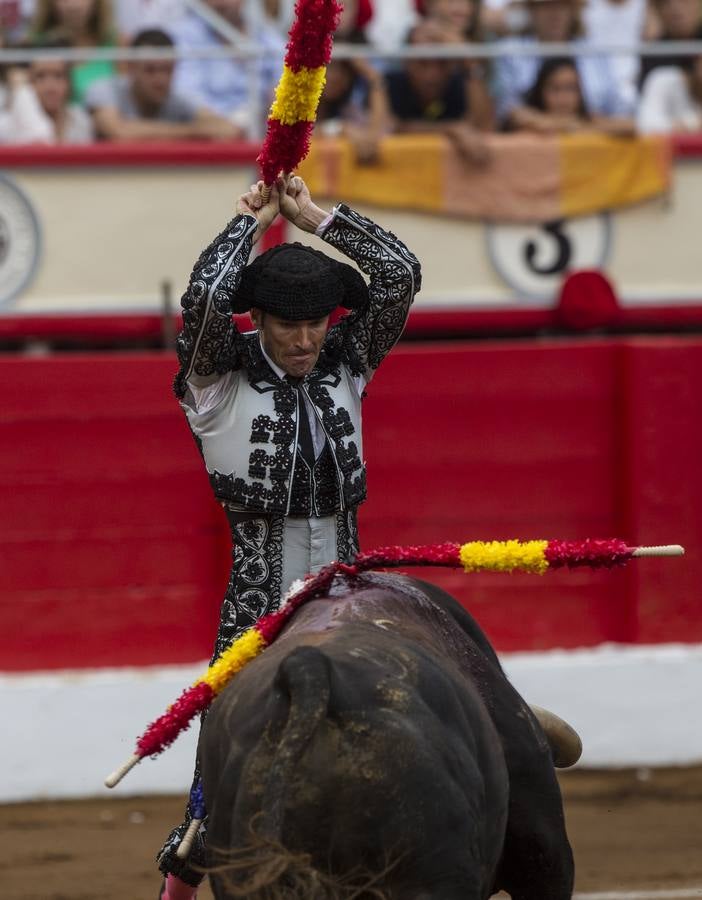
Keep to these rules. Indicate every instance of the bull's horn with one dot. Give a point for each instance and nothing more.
(565, 743)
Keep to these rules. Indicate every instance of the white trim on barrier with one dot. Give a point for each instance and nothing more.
(244, 49)
(630, 704)
(640, 894)
(669, 894)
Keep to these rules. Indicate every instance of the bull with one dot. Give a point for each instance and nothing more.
(377, 749)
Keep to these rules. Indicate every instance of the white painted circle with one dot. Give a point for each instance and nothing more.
(20, 240)
(533, 259)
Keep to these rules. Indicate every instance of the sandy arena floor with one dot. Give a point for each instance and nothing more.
(631, 831)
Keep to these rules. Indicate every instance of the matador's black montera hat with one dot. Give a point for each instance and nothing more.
(296, 282)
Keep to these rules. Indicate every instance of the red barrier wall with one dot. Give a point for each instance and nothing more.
(114, 553)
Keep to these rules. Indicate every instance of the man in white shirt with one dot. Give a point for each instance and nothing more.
(144, 105)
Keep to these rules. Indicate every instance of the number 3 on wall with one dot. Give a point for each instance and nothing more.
(532, 259)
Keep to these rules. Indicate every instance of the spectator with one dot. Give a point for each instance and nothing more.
(391, 23)
(616, 22)
(78, 23)
(222, 85)
(22, 119)
(143, 105)
(15, 16)
(356, 16)
(556, 98)
(554, 21)
(461, 15)
(671, 99)
(70, 123)
(133, 16)
(499, 18)
(680, 20)
(439, 95)
(555, 104)
(354, 103)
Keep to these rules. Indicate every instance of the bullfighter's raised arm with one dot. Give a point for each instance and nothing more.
(395, 278)
(206, 345)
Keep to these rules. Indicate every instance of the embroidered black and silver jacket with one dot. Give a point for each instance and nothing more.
(249, 439)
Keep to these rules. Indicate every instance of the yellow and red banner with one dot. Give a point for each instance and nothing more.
(528, 178)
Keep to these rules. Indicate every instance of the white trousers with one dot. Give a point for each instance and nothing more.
(308, 545)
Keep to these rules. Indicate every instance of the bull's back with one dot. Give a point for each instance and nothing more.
(357, 742)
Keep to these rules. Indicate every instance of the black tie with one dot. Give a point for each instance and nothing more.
(304, 432)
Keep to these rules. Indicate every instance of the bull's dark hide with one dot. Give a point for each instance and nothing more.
(380, 735)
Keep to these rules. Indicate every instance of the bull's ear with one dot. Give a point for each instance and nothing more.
(563, 739)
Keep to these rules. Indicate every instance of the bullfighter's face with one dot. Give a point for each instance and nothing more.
(293, 346)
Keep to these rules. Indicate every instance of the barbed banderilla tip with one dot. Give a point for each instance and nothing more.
(663, 550)
(119, 773)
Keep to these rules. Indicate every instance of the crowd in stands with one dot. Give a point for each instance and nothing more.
(224, 97)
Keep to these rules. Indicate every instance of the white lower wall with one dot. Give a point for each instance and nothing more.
(633, 706)
(71, 729)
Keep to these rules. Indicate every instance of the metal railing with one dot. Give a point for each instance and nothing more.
(246, 49)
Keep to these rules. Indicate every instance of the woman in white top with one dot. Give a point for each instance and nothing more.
(671, 99)
(20, 112)
(37, 111)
